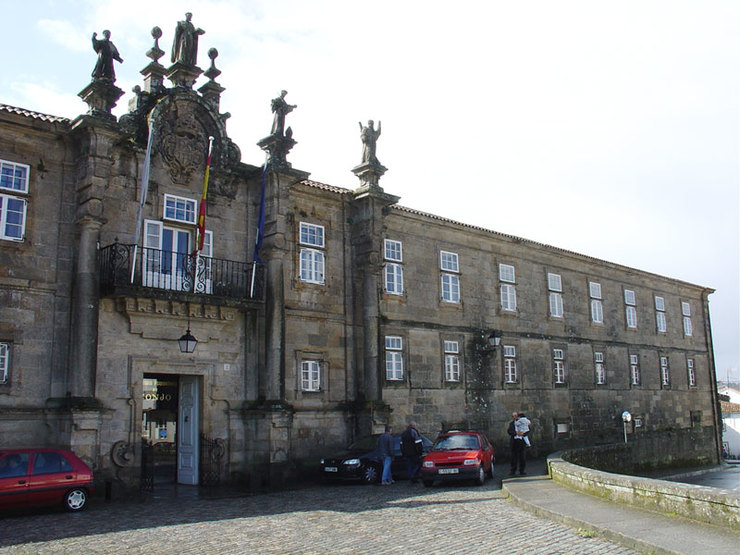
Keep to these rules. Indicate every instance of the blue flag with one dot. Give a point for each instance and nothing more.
(260, 220)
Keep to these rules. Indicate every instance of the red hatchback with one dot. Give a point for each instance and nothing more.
(39, 477)
(458, 456)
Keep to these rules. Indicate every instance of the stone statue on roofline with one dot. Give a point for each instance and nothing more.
(107, 52)
(280, 108)
(185, 45)
(369, 136)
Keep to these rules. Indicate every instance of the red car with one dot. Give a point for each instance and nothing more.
(39, 477)
(458, 455)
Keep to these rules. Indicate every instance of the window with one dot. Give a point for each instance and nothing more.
(599, 369)
(635, 370)
(508, 292)
(179, 209)
(450, 282)
(47, 463)
(555, 287)
(393, 358)
(166, 257)
(393, 269)
(597, 309)
(665, 373)
(691, 371)
(312, 259)
(310, 375)
(312, 234)
(686, 312)
(558, 363)
(510, 372)
(4, 362)
(660, 321)
(452, 361)
(630, 310)
(13, 177)
(13, 180)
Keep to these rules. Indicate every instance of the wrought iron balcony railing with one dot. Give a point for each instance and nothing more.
(125, 266)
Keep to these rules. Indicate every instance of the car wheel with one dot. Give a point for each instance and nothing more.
(370, 474)
(490, 471)
(75, 499)
(481, 479)
(427, 483)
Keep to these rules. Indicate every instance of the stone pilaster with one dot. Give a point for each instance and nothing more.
(367, 232)
(83, 363)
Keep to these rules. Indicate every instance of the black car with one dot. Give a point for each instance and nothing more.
(361, 461)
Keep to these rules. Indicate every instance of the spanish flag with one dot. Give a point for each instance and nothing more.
(202, 209)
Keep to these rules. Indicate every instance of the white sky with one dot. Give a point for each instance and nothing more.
(610, 128)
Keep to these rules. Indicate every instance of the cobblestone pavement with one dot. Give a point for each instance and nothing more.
(402, 518)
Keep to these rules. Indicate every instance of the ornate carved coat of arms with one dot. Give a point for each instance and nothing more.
(183, 143)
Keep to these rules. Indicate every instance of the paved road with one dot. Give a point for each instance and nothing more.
(402, 518)
(726, 478)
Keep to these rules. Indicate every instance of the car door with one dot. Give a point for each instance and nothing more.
(13, 480)
(51, 476)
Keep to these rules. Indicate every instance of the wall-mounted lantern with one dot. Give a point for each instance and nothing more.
(494, 340)
(187, 342)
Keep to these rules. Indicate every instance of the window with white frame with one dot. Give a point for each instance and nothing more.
(692, 372)
(665, 372)
(635, 369)
(310, 375)
(166, 257)
(510, 370)
(558, 365)
(4, 362)
(393, 358)
(507, 277)
(452, 361)
(179, 209)
(13, 204)
(312, 255)
(555, 289)
(630, 309)
(597, 309)
(688, 328)
(660, 320)
(450, 281)
(393, 254)
(599, 368)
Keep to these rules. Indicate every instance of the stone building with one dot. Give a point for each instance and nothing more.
(354, 312)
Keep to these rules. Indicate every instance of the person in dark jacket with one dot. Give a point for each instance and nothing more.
(385, 446)
(411, 449)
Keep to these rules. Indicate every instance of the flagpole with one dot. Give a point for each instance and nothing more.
(143, 194)
(201, 233)
(260, 230)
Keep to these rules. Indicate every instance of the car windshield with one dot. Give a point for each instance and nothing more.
(451, 443)
(367, 443)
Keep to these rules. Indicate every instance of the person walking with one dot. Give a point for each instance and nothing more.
(517, 448)
(411, 449)
(385, 446)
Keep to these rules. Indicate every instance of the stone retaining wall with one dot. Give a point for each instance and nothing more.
(701, 503)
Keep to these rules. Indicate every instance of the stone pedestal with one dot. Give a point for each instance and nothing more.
(369, 175)
(182, 75)
(101, 96)
(278, 146)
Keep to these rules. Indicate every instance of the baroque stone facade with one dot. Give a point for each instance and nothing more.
(360, 313)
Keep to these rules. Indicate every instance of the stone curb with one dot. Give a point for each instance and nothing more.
(606, 533)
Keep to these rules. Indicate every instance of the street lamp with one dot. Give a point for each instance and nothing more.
(187, 342)
(494, 340)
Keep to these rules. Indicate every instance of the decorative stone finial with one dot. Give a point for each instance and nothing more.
(212, 71)
(155, 52)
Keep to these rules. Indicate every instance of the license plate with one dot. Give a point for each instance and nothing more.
(448, 471)
(330, 469)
